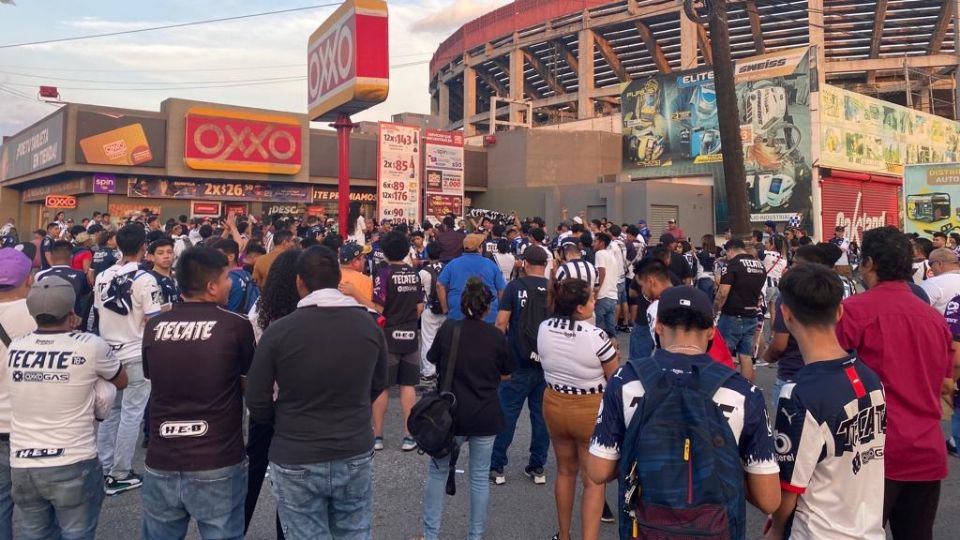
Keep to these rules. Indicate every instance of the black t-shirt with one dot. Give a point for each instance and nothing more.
(514, 300)
(398, 289)
(635, 297)
(45, 246)
(81, 287)
(481, 361)
(679, 267)
(746, 277)
(490, 245)
(790, 360)
(104, 258)
(194, 356)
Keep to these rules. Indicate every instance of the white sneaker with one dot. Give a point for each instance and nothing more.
(378, 443)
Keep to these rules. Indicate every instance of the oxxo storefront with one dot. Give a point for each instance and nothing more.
(191, 158)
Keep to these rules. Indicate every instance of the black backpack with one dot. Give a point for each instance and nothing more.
(433, 301)
(431, 419)
(535, 311)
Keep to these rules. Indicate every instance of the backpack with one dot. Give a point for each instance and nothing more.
(251, 293)
(684, 476)
(433, 300)
(431, 420)
(535, 311)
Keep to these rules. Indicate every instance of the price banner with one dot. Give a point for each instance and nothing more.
(398, 173)
(168, 188)
(443, 167)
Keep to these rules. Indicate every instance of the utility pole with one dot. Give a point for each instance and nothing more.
(734, 177)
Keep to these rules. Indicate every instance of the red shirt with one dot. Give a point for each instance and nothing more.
(907, 343)
(719, 351)
(76, 262)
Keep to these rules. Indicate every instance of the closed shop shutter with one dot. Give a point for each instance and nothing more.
(659, 215)
(859, 204)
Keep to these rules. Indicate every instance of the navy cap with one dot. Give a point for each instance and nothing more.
(352, 250)
(685, 297)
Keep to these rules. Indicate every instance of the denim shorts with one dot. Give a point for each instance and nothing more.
(738, 332)
(622, 292)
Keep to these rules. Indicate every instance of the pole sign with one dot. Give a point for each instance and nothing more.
(398, 173)
(443, 169)
(348, 68)
(227, 140)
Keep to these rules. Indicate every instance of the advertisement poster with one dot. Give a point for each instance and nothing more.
(671, 128)
(38, 147)
(164, 188)
(119, 139)
(865, 134)
(398, 173)
(931, 198)
(443, 167)
(104, 183)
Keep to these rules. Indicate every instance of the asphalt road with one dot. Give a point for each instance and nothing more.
(518, 510)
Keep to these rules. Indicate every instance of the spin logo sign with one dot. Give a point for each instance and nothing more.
(223, 140)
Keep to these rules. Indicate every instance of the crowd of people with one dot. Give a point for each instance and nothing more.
(231, 346)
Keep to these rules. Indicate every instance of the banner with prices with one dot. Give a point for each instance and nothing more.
(443, 166)
(398, 173)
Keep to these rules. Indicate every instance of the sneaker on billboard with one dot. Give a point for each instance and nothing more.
(497, 477)
(408, 444)
(114, 485)
(536, 475)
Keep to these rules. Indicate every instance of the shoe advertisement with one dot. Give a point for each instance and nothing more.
(931, 198)
(671, 128)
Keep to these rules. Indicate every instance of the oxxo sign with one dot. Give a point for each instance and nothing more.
(348, 60)
(60, 201)
(226, 140)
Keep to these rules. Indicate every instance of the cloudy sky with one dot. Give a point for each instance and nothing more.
(141, 70)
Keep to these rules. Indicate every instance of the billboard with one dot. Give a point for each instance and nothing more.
(861, 133)
(105, 138)
(671, 128)
(398, 173)
(348, 61)
(931, 198)
(443, 172)
(240, 141)
(36, 148)
(168, 188)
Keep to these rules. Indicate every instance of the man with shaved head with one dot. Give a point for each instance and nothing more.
(945, 284)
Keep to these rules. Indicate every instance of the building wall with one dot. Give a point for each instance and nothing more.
(552, 158)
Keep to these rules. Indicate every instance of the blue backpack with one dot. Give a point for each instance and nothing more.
(683, 477)
(251, 293)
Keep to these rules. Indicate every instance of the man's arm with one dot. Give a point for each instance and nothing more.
(379, 383)
(503, 320)
(601, 275)
(776, 347)
(722, 294)
(763, 491)
(260, 379)
(442, 296)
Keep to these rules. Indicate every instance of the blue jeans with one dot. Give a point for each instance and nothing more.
(480, 451)
(524, 384)
(333, 499)
(641, 342)
(214, 498)
(59, 502)
(118, 433)
(6, 501)
(738, 332)
(708, 286)
(775, 392)
(955, 426)
(606, 313)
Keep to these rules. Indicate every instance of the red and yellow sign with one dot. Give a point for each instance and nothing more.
(60, 201)
(205, 208)
(348, 65)
(225, 140)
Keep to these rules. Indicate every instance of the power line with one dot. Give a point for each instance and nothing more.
(166, 26)
(52, 78)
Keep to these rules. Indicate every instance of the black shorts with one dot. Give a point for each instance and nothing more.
(403, 369)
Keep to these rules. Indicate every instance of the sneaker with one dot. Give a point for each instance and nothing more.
(536, 474)
(378, 443)
(607, 516)
(761, 363)
(113, 485)
(408, 444)
(497, 477)
(952, 449)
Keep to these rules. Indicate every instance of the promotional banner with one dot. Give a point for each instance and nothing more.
(321, 195)
(865, 134)
(671, 128)
(443, 167)
(165, 188)
(38, 147)
(104, 183)
(398, 173)
(931, 197)
(118, 139)
(240, 141)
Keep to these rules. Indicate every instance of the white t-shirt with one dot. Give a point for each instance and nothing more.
(609, 260)
(143, 299)
(652, 318)
(572, 353)
(506, 262)
(774, 264)
(52, 396)
(16, 320)
(941, 289)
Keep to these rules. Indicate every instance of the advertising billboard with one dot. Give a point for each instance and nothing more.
(348, 60)
(240, 141)
(105, 138)
(167, 188)
(671, 128)
(931, 198)
(866, 134)
(443, 172)
(398, 173)
(34, 149)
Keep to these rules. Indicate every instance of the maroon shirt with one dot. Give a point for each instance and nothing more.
(907, 343)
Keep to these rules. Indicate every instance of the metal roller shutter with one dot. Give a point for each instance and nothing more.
(859, 204)
(659, 215)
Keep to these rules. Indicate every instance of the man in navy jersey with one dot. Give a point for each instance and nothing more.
(831, 422)
(59, 256)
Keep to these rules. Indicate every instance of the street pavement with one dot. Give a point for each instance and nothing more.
(518, 510)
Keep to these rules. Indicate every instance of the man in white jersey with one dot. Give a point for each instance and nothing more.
(125, 297)
(53, 453)
(15, 321)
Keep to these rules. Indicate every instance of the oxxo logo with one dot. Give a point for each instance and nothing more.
(330, 62)
(227, 140)
(240, 141)
(60, 201)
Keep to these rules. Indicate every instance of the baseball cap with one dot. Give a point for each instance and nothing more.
(578, 219)
(27, 248)
(641, 222)
(472, 242)
(535, 255)
(685, 297)
(839, 228)
(14, 267)
(667, 238)
(671, 220)
(53, 296)
(770, 223)
(352, 250)
(82, 238)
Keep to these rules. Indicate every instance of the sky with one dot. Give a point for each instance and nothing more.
(137, 71)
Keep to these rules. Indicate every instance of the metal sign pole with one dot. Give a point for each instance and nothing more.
(344, 126)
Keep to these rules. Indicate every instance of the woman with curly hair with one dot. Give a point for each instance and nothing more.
(278, 299)
(482, 362)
